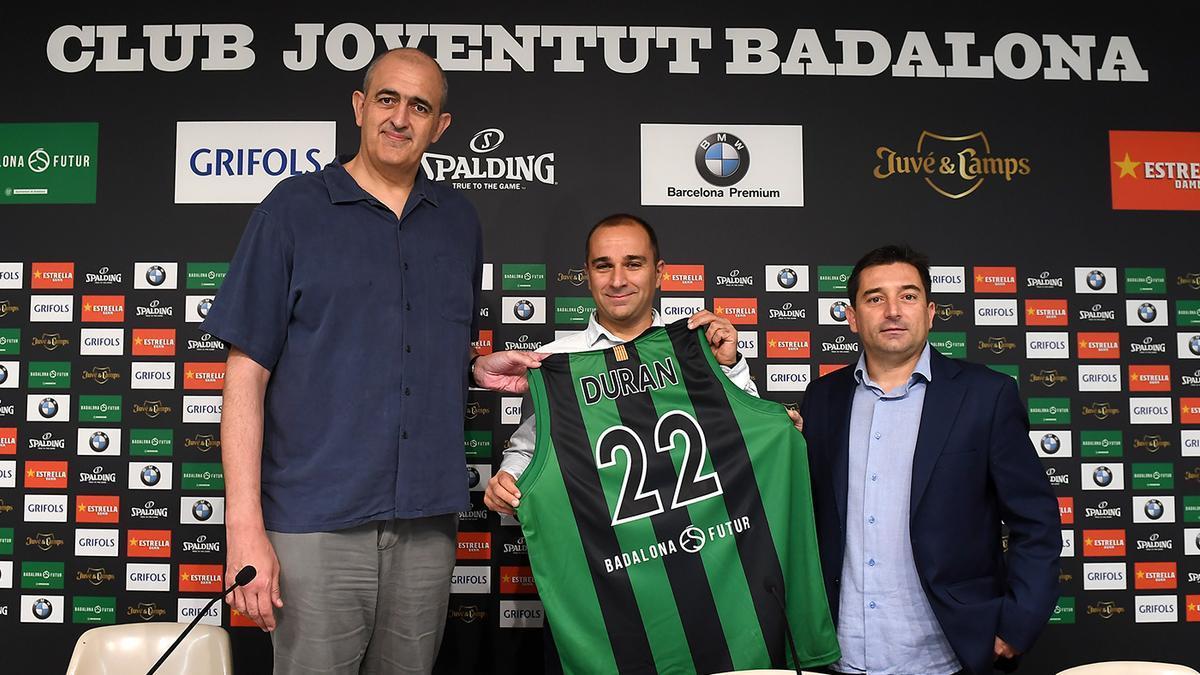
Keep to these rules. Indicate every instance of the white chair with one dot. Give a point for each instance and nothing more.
(135, 647)
(1129, 668)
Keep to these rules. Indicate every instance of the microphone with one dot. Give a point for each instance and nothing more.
(244, 576)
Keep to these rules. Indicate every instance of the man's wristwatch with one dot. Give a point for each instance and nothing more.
(471, 371)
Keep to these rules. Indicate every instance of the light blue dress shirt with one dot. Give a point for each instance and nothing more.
(885, 624)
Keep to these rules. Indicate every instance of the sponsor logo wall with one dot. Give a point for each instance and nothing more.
(111, 489)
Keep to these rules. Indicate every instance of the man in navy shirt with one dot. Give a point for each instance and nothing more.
(349, 309)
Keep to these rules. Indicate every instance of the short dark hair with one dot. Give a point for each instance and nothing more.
(409, 53)
(621, 219)
(888, 255)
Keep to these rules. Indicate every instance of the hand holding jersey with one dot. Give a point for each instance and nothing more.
(624, 271)
(668, 515)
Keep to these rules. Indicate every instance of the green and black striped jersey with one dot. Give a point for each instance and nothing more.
(668, 515)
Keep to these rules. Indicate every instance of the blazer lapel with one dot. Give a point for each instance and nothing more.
(843, 399)
(943, 397)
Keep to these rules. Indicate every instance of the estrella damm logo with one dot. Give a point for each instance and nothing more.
(1189, 410)
(148, 544)
(995, 279)
(953, 166)
(8, 440)
(53, 275)
(1045, 312)
(788, 344)
(484, 345)
(737, 310)
(97, 509)
(1154, 575)
(474, 545)
(1155, 170)
(1149, 378)
(200, 578)
(1066, 510)
(46, 474)
(204, 375)
(153, 342)
(1103, 543)
(516, 580)
(103, 309)
(1099, 345)
(683, 278)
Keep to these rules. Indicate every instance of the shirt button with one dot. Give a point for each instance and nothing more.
(408, 348)
(871, 562)
(872, 604)
(874, 476)
(407, 392)
(871, 520)
(404, 434)
(406, 266)
(876, 435)
(408, 306)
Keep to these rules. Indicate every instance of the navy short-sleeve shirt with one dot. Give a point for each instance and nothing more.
(364, 320)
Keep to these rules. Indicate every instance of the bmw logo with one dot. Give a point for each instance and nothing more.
(202, 509)
(838, 311)
(722, 159)
(523, 310)
(472, 476)
(98, 441)
(151, 475)
(1050, 444)
(156, 275)
(1096, 280)
(3, 374)
(42, 608)
(1102, 476)
(787, 277)
(1147, 312)
(203, 307)
(48, 407)
(1194, 345)
(1153, 509)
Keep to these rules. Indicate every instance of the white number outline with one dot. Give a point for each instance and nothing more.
(640, 493)
(696, 478)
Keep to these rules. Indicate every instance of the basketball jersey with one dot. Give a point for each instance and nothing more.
(668, 515)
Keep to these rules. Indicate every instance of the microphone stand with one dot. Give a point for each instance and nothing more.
(244, 576)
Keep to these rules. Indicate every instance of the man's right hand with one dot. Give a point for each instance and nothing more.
(502, 495)
(260, 597)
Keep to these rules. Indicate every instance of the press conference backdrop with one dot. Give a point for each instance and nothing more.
(1048, 164)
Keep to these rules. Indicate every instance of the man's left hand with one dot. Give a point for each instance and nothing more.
(722, 336)
(505, 371)
(1004, 649)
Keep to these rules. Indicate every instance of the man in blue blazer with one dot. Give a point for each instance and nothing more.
(915, 461)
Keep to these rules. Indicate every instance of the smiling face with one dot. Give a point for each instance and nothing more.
(622, 274)
(400, 113)
(892, 312)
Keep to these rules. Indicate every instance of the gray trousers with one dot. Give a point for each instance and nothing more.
(367, 600)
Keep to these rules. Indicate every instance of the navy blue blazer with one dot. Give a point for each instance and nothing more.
(974, 466)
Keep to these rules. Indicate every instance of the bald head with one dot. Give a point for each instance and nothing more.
(412, 56)
(616, 220)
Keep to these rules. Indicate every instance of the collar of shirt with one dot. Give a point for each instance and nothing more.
(595, 332)
(343, 189)
(920, 372)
